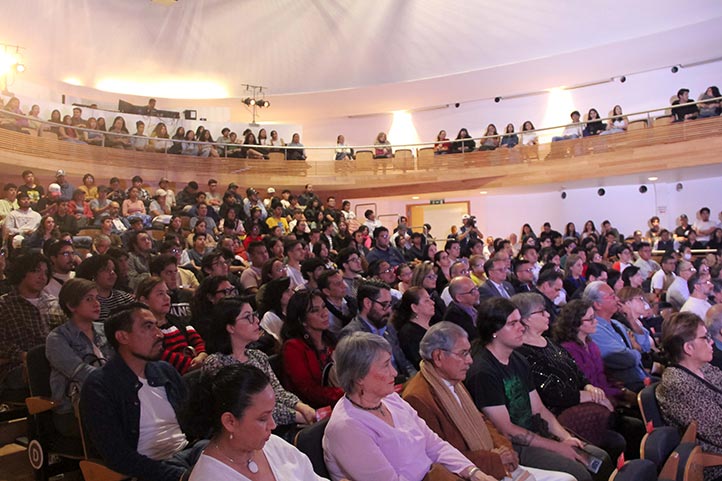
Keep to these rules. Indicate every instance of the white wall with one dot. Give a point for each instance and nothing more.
(640, 92)
(623, 205)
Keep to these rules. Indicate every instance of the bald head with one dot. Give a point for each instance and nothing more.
(464, 291)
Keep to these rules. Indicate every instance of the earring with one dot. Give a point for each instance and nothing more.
(230, 436)
(494, 336)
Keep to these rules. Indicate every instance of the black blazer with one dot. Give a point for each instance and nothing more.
(487, 289)
(457, 315)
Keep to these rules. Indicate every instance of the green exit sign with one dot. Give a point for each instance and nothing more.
(436, 201)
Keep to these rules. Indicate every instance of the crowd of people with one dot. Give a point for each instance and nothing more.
(521, 355)
(201, 142)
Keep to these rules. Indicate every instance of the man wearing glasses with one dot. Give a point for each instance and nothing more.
(374, 310)
(462, 310)
(621, 360)
(496, 284)
(678, 291)
(700, 287)
(61, 255)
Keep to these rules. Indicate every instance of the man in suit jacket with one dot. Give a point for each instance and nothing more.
(461, 310)
(496, 284)
(374, 305)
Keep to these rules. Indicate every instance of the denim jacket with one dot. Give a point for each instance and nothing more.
(110, 410)
(72, 359)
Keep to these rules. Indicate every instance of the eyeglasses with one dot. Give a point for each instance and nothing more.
(431, 276)
(473, 291)
(588, 319)
(227, 291)
(66, 254)
(354, 259)
(386, 271)
(461, 354)
(384, 305)
(251, 318)
(540, 311)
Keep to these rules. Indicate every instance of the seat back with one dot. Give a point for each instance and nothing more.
(649, 407)
(364, 160)
(276, 156)
(662, 120)
(309, 441)
(276, 363)
(38, 371)
(636, 470)
(659, 444)
(403, 159)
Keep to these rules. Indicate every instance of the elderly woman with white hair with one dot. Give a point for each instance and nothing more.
(439, 397)
(371, 419)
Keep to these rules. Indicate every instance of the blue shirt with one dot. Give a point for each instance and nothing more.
(620, 359)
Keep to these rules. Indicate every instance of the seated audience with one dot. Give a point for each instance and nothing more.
(690, 387)
(102, 270)
(130, 406)
(621, 347)
(307, 349)
(234, 407)
(183, 347)
(562, 386)
(374, 309)
(412, 318)
(501, 385)
(373, 420)
(439, 397)
(235, 326)
(74, 350)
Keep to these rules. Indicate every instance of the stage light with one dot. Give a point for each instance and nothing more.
(675, 69)
(497, 99)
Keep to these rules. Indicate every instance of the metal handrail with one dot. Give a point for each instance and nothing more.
(356, 148)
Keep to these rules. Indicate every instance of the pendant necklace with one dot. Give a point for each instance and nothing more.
(250, 464)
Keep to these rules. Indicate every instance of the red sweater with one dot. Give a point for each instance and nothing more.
(302, 373)
(175, 344)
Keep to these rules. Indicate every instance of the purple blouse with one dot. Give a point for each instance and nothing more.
(589, 360)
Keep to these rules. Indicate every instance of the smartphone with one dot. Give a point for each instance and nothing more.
(591, 462)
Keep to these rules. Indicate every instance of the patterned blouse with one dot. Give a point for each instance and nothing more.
(285, 410)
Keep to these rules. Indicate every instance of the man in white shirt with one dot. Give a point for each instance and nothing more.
(703, 226)
(296, 253)
(61, 255)
(663, 278)
(371, 222)
(678, 291)
(647, 266)
(700, 287)
(573, 131)
(22, 221)
(9, 203)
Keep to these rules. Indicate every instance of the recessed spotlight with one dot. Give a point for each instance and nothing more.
(416, 197)
(652, 179)
(483, 192)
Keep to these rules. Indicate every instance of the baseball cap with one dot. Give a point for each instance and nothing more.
(251, 191)
(232, 185)
(54, 187)
(465, 216)
(59, 173)
(163, 179)
(271, 190)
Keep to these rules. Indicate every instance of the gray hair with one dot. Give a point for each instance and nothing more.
(528, 302)
(592, 293)
(354, 355)
(455, 285)
(713, 320)
(682, 265)
(442, 335)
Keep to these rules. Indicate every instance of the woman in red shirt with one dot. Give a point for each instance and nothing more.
(307, 349)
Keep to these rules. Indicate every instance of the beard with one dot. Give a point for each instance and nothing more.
(378, 321)
(152, 356)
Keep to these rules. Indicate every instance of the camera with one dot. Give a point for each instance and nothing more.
(472, 221)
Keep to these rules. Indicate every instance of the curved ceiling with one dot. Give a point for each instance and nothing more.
(208, 48)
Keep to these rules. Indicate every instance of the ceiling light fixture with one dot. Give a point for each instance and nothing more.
(652, 179)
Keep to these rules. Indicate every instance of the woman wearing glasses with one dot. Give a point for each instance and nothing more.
(502, 386)
(307, 348)
(234, 327)
(425, 276)
(210, 291)
(561, 385)
(690, 388)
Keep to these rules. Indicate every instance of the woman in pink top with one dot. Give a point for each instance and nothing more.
(372, 419)
(134, 207)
